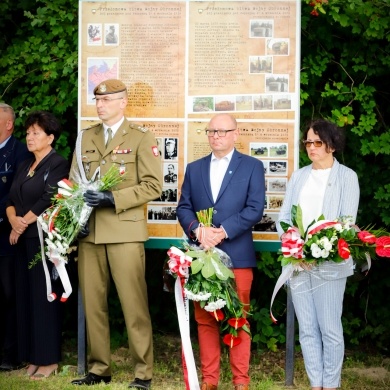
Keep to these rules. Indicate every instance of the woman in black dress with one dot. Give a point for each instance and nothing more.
(38, 320)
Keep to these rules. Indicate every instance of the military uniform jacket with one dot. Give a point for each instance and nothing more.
(132, 149)
(11, 155)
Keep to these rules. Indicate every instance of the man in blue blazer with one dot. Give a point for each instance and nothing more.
(233, 184)
(12, 152)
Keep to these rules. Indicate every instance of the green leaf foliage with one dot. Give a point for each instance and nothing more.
(345, 68)
(39, 61)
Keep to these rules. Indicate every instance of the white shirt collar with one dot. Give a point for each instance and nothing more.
(114, 127)
(4, 143)
(228, 157)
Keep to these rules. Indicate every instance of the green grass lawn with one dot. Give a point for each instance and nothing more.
(360, 372)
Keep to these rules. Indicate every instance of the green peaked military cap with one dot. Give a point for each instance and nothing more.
(109, 86)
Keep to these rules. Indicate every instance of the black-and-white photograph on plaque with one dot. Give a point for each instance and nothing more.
(276, 83)
(267, 223)
(277, 168)
(278, 150)
(170, 174)
(275, 202)
(263, 102)
(160, 146)
(161, 214)
(170, 148)
(111, 34)
(276, 184)
(94, 34)
(283, 102)
(260, 64)
(258, 149)
(168, 195)
(266, 166)
(261, 28)
(278, 46)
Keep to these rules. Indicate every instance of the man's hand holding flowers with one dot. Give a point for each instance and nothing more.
(209, 236)
(68, 219)
(99, 198)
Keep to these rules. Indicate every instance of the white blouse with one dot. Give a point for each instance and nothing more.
(311, 198)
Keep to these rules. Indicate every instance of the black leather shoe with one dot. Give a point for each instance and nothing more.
(91, 379)
(143, 384)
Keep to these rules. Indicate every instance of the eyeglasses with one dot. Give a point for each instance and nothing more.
(105, 99)
(317, 143)
(220, 133)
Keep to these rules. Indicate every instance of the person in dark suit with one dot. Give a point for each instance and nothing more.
(12, 153)
(233, 184)
(117, 231)
(38, 320)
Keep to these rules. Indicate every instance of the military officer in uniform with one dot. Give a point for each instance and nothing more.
(171, 176)
(170, 149)
(115, 235)
(111, 37)
(12, 152)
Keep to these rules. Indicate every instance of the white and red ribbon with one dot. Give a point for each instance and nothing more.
(190, 374)
(60, 267)
(286, 274)
(178, 262)
(319, 225)
(292, 243)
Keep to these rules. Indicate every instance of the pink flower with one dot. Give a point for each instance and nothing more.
(383, 246)
(367, 237)
(292, 243)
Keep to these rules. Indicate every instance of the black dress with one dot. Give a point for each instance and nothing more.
(38, 320)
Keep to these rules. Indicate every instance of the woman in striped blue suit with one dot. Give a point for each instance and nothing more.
(329, 188)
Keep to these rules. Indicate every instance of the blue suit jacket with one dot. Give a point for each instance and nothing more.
(239, 205)
(11, 155)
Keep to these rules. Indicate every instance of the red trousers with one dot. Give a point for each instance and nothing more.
(210, 339)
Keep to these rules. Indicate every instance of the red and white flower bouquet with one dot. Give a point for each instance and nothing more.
(324, 240)
(60, 224)
(205, 276)
(208, 279)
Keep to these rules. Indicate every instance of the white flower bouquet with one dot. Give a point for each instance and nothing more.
(62, 222)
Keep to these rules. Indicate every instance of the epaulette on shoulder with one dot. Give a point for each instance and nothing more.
(139, 128)
(91, 127)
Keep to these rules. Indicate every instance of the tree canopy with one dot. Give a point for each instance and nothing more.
(344, 77)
